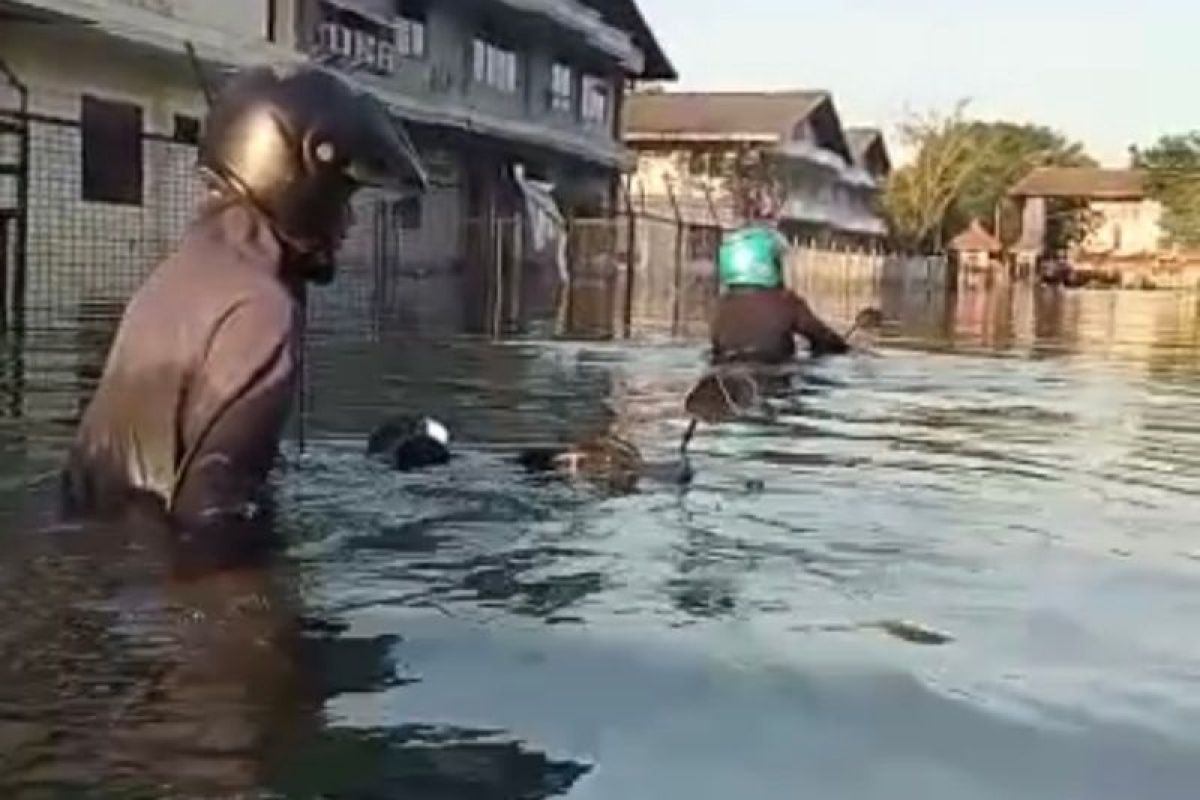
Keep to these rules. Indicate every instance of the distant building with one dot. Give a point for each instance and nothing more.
(975, 248)
(692, 146)
(1126, 224)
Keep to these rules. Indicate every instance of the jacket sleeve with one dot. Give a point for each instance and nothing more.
(822, 340)
(235, 410)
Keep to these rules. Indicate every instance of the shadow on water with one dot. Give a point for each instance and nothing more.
(118, 669)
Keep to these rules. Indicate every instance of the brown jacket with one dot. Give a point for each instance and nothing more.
(199, 381)
(760, 325)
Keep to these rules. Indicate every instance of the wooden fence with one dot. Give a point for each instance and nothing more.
(641, 273)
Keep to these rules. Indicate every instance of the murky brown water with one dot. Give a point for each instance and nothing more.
(962, 565)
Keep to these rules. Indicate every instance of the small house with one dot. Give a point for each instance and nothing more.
(975, 248)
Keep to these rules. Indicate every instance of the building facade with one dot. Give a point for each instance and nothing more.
(101, 106)
(723, 157)
(1125, 222)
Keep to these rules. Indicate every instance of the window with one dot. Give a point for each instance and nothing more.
(562, 91)
(187, 129)
(111, 140)
(410, 28)
(408, 213)
(494, 66)
(595, 100)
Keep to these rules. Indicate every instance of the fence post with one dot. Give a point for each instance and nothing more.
(631, 259)
(677, 295)
(16, 299)
(497, 275)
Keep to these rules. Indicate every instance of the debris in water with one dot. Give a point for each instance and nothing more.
(913, 632)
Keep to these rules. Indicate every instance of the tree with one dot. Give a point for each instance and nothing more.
(963, 170)
(1008, 152)
(920, 195)
(1173, 176)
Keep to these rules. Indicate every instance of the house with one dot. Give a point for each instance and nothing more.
(1124, 220)
(101, 106)
(487, 89)
(719, 156)
(975, 248)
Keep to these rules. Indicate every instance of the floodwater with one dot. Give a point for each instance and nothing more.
(961, 564)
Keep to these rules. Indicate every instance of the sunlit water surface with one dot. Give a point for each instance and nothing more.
(961, 564)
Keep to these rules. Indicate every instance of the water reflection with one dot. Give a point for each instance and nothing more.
(123, 667)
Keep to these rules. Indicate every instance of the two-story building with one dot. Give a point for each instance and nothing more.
(490, 89)
(100, 109)
(717, 156)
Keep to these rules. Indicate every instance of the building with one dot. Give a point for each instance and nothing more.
(1123, 221)
(975, 248)
(489, 88)
(721, 156)
(101, 106)
(870, 152)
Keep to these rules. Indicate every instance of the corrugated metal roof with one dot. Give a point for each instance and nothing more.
(729, 114)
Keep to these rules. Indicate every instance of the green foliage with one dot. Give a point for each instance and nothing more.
(1173, 168)
(1008, 152)
(963, 169)
(919, 195)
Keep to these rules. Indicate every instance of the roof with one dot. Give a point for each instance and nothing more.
(867, 142)
(626, 15)
(760, 115)
(1082, 182)
(976, 239)
(861, 139)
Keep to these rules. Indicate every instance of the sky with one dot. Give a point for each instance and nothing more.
(1108, 73)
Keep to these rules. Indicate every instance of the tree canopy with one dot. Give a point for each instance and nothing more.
(962, 169)
(1172, 165)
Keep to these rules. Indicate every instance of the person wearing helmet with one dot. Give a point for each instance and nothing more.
(757, 318)
(199, 381)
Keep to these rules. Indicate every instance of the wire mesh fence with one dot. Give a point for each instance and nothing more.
(80, 253)
(623, 274)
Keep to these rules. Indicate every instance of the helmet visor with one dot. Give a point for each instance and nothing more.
(386, 157)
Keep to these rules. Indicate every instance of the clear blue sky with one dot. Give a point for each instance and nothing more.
(1109, 73)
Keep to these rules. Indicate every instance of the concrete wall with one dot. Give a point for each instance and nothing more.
(243, 18)
(79, 249)
(443, 76)
(1131, 228)
(1124, 229)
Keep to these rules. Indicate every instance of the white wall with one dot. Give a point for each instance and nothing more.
(245, 18)
(1131, 228)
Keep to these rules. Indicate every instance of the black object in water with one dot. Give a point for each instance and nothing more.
(410, 443)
